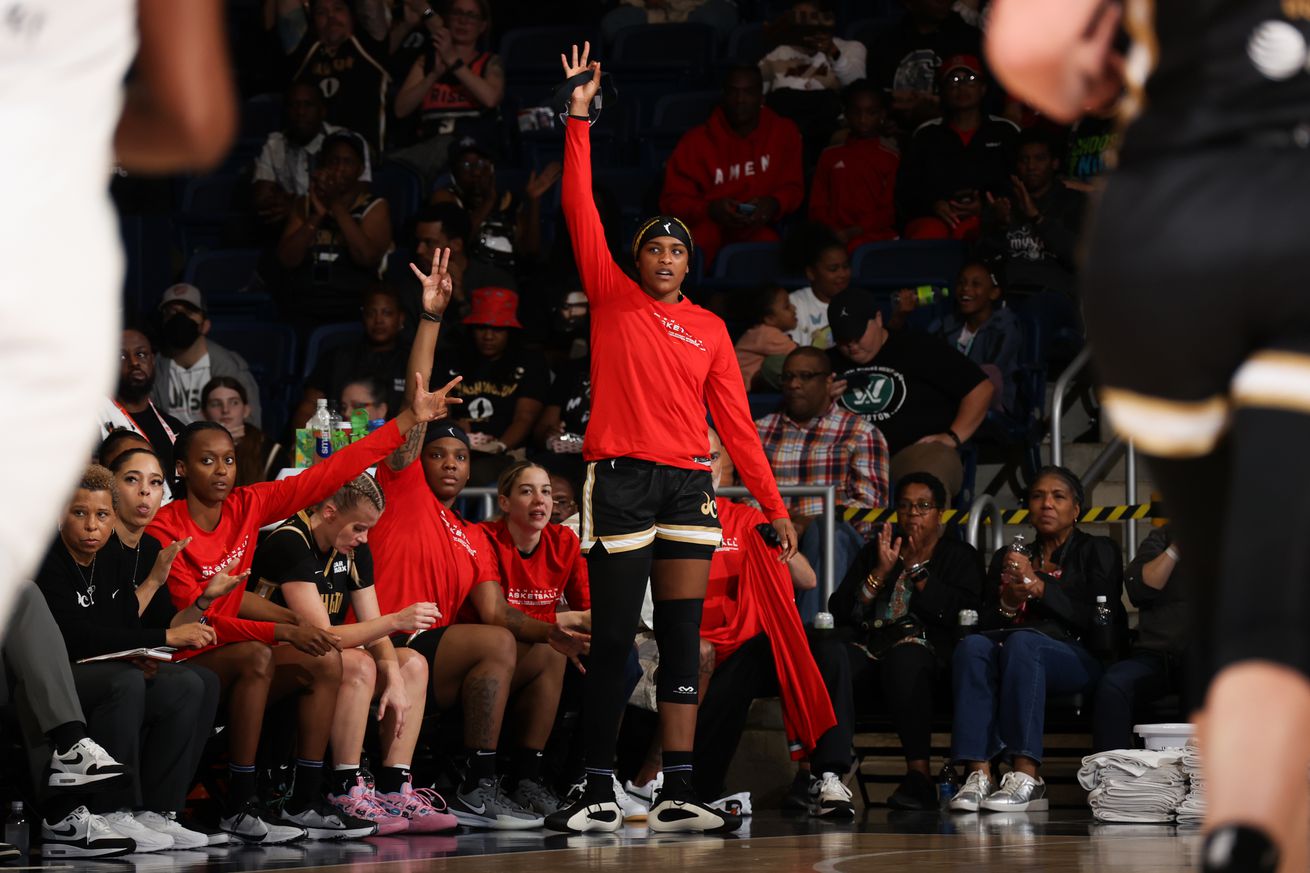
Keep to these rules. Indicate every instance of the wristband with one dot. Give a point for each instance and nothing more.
(431, 316)
(580, 117)
(1172, 552)
(952, 434)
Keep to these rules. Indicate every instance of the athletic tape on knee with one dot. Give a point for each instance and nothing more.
(677, 632)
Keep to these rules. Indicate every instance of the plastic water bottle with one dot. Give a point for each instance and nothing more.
(17, 831)
(948, 783)
(967, 623)
(375, 423)
(1018, 544)
(320, 427)
(1103, 640)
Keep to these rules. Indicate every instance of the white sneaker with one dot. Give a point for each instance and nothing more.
(646, 793)
(830, 798)
(146, 840)
(249, 824)
(83, 835)
(737, 804)
(977, 788)
(633, 809)
(168, 824)
(85, 763)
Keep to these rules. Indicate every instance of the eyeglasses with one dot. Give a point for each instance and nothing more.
(923, 507)
(963, 77)
(479, 164)
(800, 376)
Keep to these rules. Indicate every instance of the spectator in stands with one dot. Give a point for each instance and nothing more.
(1156, 666)
(189, 359)
(142, 712)
(760, 649)
(731, 178)
(284, 163)
(505, 226)
(425, 550)
(346, 63)
(808, 66)
(761, 349)
(569, 337)
(319, 566)
(953, 163)
(564, 501)
(224, 400)
(456, 86)
(854, 187)
(379, 354)
(829, 272)
(1036, 613)
(719, 14)
(366, 393)
(222, 523)
(131, 407)
(504, 386)
(926, 398)
(62, 757)
(447, 226)
(336, 239)
(908, 57)
(564, 418)
(812, 440)
(544, 575)
(900, 601)
(1033, 228)
(985, 330)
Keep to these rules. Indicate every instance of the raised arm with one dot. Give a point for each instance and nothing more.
(437, 290)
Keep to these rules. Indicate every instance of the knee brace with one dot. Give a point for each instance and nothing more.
(677, 632)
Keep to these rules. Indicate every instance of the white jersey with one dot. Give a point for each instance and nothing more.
(62, 64)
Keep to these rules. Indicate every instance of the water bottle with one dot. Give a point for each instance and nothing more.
(1103, 641)
(17, 832)
(948, 783)
(967, 622)
(1018, 544)
(375, 423)
(320, 428)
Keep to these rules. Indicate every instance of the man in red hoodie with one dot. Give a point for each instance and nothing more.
(731, 178)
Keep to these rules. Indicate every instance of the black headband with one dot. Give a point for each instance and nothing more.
(438, 430)
(662, 225)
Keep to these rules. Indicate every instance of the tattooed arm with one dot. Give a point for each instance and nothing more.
(437, 289)
(489, 600)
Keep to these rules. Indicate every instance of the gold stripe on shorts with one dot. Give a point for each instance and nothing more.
(1167, 428)
(1274, 380)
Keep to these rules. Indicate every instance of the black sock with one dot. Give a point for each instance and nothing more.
(600, 786)
(309, 780)
(391, 779)
(344, 778)
(527, 764)
(241, 786)
(482, 765)
(66, 735)
(677, 776)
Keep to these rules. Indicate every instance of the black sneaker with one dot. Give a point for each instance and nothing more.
(683, 816)
(581, 817)
(1231, 848)
(83, 835)
(323, 821)
(915, 793)
(85, 763)
(797, 798)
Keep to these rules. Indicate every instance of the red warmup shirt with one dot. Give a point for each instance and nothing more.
(245, 511)
(855, 186)
(555, 567)
(423, 551)
(655, 366)
(712, 162)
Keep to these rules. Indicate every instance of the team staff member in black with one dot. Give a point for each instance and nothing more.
(648, 503)
(1195, 302)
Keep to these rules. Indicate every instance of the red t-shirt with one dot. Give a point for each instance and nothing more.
(245, 511)
(556, 567)
(722, 602)
(655, 366)
(423, 551)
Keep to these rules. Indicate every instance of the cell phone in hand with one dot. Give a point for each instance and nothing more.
(746, 208)
(770, 535)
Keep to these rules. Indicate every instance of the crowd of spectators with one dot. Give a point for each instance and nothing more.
(825, 141)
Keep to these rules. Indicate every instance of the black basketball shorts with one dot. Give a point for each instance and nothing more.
(630, 504)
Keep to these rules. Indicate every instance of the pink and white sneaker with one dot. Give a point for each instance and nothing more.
(424, 809)
(362, 802)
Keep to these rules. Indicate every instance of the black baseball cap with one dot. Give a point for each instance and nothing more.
(849, 314)
(466, 145)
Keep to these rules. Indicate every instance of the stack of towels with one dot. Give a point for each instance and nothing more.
(1192, 810)
(1133, 785)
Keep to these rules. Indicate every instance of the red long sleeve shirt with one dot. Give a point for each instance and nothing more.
(855, 186)
(245, 511)
(655, 366)
(712, 162)
(534, 583)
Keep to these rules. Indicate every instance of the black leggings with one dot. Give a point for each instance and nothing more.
(903, 679)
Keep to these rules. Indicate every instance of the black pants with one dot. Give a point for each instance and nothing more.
(904, 681)
(157, 727)
(749, 674)
(1124, 688)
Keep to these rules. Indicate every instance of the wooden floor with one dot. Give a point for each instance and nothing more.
(878, 841)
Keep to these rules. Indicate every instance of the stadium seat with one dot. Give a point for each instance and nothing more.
(328, 337)
(869, 30)
(209, 206)
(635, 190)
(747, 264)
(260, 116)
(675, 114)
(657, 51)
(763, 403)
(402, 190)
(532, 53)
(907, 262)
(270, 349)
(222, 272)
(746, 44)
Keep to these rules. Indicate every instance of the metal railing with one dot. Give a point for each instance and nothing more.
(985, 504)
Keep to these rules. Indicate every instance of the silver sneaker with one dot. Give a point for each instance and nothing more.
(1019, 792)
(977, 788)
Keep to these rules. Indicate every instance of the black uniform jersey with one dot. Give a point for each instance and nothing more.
(289, 554)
